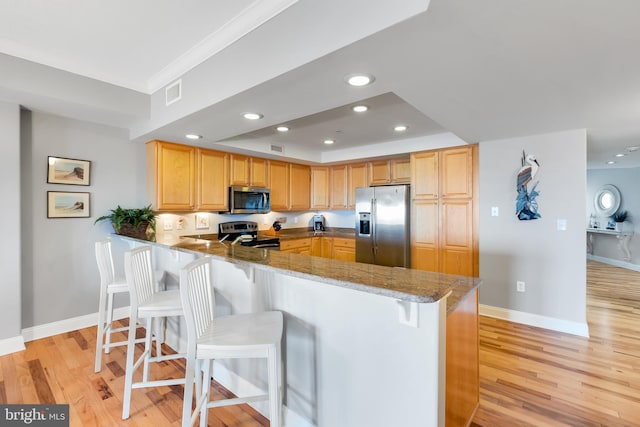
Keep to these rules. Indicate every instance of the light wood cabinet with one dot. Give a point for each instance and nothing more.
(344, 249)
(320, 187)
(394, 171)
(299, 189)
(444, 234)
(327, 247)
(279, 184)
(296, 246)
(338, 184)
(400, 170)
(212, 180)
(379, 172)
(357, 177)
(248, 171)
(171, 176)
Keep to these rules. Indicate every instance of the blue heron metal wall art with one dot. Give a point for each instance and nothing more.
(526, 204)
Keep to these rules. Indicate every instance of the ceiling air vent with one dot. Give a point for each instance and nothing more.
(276, 148)
(173, 92)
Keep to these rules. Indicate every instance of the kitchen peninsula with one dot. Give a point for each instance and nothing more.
(364, 344)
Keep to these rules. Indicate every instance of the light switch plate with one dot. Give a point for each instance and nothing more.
(495, 211)
(562, 225)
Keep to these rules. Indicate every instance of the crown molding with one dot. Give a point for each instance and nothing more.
(253, 16)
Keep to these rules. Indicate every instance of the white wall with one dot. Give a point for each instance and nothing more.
(552, 263)
(626, 180)
(10, 218)
(60, 276)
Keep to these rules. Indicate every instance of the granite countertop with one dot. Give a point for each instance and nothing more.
(301, 233)
(400, 283)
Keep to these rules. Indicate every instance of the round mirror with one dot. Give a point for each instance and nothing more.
(607, 200)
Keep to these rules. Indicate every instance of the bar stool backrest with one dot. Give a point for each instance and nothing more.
(138, 269)
(198, 297)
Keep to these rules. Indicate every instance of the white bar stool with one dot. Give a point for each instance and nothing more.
(254, 335)
(146, 303)
(109, 286)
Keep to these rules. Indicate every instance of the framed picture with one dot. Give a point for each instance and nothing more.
(67, 204)
(68, 171)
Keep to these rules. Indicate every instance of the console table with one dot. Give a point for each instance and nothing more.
(622, 236)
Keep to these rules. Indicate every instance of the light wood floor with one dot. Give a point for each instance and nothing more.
(534, 377)
(529, 376)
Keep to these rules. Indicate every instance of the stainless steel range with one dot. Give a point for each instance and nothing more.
(242, 232)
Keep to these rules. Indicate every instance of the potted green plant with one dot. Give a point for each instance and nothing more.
(619, 217)
(131, 222)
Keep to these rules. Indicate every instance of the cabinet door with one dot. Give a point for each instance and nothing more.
(344, 249)
(240, 170)
(327, 247)
(357, 178)
(320, 187)
(259, 172)
(338, 187)
(424, 235)
(279, 185)
(380, 172)
(300, 186)
(296, 246)
(173, 168)
(213, 180)
(424, 171)
(400, 170)
(456, 173)
(456, 237)
(316, 246)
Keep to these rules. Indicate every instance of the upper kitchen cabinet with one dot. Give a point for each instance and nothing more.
(186, 178)
(249, 171)
(357, 177)
(394, 171)
(456, 172)
(171, 176)
(300, 186)
(338, 184)
(212, 180)
(320, 187)
(279, 184)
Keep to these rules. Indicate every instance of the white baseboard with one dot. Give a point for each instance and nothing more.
(559, 325)
(614, 262)
(11, 345)
(68, 325)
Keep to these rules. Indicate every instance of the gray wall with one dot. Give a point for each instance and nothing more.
(10, 218)
(60, 276)
(626, 180)
(552, 263)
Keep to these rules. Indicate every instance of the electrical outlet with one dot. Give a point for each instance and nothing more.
(168, 225)
(520, 286)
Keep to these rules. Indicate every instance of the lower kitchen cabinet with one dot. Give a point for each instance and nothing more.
(344, 249)
(296, 246)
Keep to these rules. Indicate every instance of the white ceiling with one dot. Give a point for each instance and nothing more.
(481, 69)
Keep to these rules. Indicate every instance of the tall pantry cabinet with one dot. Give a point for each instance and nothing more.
(445, 210)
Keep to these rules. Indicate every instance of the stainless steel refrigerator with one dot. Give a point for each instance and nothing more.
(382, 225)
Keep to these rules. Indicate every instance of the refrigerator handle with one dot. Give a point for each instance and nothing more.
(374, 219)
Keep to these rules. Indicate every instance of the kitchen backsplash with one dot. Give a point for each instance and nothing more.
(207, 223)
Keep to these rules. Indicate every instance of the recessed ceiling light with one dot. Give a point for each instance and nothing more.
(193, 136)
(329, 141)
(282, 129)
(611, 162)
(633, 148)
(620, 155)
(359, 79)
(401, 128)
(252, 116)
(360, 108)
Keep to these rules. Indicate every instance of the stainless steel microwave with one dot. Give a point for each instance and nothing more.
(245, 200)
